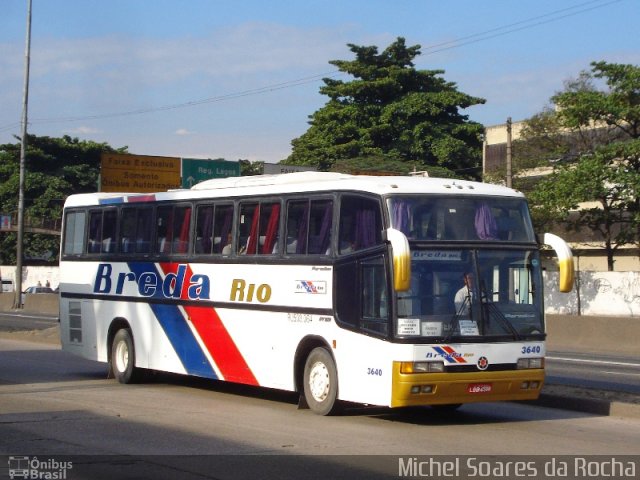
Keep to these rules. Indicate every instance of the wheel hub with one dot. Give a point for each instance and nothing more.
(122, 356)
(319, 382)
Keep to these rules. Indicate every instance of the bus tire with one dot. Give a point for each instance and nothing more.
(123, 357)
(321, 382)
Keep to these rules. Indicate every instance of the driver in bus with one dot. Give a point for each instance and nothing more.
(462, 300)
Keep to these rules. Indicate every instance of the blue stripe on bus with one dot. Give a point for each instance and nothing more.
(178, 332)
(110, 201)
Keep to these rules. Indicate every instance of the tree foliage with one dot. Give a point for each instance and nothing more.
(249, 168)
(596, 132)
(54, 169)
(391, 112)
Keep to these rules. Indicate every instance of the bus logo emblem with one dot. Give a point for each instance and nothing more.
(483, 363)
(312, 287)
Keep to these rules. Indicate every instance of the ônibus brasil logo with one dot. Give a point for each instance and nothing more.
(27, 467)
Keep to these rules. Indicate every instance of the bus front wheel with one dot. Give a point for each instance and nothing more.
(123, 357)
(321, 382)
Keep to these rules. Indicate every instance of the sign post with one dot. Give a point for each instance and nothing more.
(196, 171)
(138, 173)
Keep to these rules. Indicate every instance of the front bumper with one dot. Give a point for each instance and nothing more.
(453, 388)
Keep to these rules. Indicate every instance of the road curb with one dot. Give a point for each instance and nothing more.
(588, 405)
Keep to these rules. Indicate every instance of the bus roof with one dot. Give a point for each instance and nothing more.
(303, 182)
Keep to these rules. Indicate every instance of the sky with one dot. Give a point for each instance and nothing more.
(239, 80)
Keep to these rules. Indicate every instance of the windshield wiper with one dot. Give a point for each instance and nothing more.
(493, 311)
(504, 321)
(464, 309)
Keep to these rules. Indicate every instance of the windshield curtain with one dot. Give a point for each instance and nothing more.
(461, 218)
(468, 295)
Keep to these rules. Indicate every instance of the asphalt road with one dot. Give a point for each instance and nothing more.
(604, 372)
(54, 405)
(24, 321)
(619, 374)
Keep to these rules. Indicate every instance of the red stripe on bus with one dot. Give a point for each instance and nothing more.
(451, 352)
(220, 345)
(215, 337)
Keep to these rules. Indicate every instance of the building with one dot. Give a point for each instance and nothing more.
(587, 246)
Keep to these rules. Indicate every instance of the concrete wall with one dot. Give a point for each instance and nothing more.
(6, 302)
(595, 294)
(605, 335)
(43, 303)
(32, 275)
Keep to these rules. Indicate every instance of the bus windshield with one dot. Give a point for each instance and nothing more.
(471, 295)
(461, 218)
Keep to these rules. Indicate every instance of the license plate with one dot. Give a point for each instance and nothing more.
(479, 388)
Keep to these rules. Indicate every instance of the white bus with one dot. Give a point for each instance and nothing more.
(390, 291)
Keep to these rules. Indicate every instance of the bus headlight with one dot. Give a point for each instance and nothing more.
(529, 363)
(421, 367)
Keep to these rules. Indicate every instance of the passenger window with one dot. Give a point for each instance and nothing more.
(269, 228)
(128, 230)
(109, 223)
(135, 229)
(248, 228)
(144, 230)
(74, 233)
(222, 229)
(320, 223)
(95, 232)
(204, 229)
(102, 231)
(259, 228)
(172, 229)
(309, 227)
(297, 214)
(164, 224)
(213, 229)
(360, 224)
(375, 295)
(181, 227)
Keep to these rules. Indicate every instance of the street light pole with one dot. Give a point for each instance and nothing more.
(509, 155)
(17, 301)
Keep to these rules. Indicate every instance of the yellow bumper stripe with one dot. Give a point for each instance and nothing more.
(448, 388)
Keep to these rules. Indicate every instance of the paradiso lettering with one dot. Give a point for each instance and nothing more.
(150, 284)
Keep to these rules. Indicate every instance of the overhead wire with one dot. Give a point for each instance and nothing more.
(218, 98)
(527, 23)
(429, 50)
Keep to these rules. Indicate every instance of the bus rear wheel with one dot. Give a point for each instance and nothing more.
(123, 357)
(321, 382)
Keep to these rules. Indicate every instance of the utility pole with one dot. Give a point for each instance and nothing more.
(509, 158)
(17, 301)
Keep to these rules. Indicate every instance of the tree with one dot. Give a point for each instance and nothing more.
(249, 168)
(601, 178)
(597, 134)
(391, 112)
(55, 168)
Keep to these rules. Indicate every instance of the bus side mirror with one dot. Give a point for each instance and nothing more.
(401, 259)
(565, 260)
